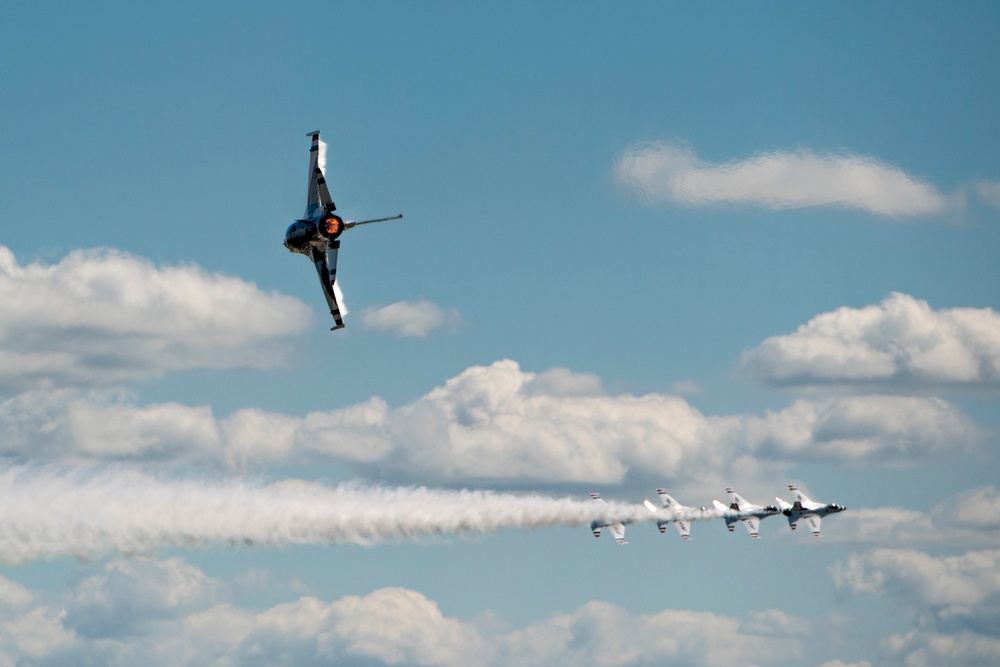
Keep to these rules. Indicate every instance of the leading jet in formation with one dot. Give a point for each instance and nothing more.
(316, 234)
(739, 509)
(806, 509)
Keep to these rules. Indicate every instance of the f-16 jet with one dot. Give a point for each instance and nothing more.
(317, 233)
(682, 514)
(806, 509)
(617, 528)
(739, 509)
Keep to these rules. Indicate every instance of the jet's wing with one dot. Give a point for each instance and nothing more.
(326, 267)
(618, 531)
(753, 526)
(318, 195)
(684, 528)
(813, 521)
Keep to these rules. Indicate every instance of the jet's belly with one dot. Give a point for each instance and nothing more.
(303, 235)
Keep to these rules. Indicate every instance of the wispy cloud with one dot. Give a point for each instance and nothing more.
(101, 317)
(901, 341)
(778, 180)
(410, 318)
(989, 193)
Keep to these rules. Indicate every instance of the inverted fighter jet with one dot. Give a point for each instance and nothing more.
(807, 509)
(316, 233)
(739, 509)
(617, 528)
(681, 515)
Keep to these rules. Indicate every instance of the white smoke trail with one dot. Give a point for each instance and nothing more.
(49, 512)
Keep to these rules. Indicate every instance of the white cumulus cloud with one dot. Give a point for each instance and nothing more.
(947, 584)
(410, 318)
(901, 341)
(102, 316)
(170, 613)
(967, 520)
(778, 180)
(926, 648)
(497, 424)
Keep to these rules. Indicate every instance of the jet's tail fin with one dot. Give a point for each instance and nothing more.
(802, 500)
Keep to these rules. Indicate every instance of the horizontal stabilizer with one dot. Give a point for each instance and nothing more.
(352, 223)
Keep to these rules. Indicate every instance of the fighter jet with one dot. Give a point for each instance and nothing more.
(741, 510)
(682, 514)
(316, 233)
(809, 510)
(617, 528)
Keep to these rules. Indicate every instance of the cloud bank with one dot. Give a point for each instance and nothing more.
(410, 318)
(778, 181)
(102, 317)
(901, 341)
(496, 425)
(957, 599)
(168, 612)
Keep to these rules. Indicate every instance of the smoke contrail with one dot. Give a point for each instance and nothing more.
(49, 512)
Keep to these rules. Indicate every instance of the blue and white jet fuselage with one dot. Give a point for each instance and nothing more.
(317, 233)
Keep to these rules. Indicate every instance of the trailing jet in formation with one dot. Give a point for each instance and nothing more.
(617, 528)
(806, 509)
(740, 509)
(316, 233)
(682, 514)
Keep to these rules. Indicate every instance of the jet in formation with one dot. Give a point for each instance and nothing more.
(806, 509)
(738, 510)
(316, 234)
(682, 514)
(617, 528)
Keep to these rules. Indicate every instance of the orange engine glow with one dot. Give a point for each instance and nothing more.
(333, 226)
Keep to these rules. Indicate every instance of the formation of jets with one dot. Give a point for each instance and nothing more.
(738, 510)
(317, 233)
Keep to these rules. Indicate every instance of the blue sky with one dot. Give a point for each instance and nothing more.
(645, 245)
